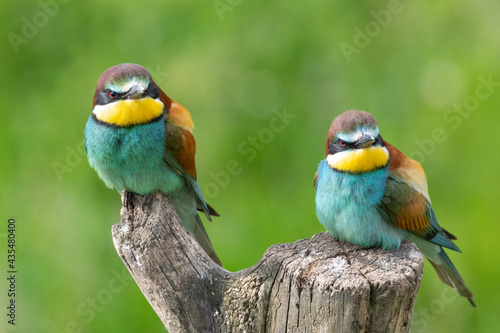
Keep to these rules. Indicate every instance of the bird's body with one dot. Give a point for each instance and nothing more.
(371, 194)
(348, 205)
(138, 139)
(122, 166)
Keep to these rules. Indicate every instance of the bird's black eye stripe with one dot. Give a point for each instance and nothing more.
(338, 146)
(104, 97)
(152, 91)
(379, 141)
(344, 144)
(113, 95)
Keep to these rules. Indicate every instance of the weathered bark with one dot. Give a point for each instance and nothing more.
(317, 285)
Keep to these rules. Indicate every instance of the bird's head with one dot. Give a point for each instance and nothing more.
(126, 95)
(354, 144)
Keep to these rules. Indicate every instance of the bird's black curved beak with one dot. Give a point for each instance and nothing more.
(134, 92)
(365, 141)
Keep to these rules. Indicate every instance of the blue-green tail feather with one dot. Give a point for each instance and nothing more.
(443, 240)
(449, 275)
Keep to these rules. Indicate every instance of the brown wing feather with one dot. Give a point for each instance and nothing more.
(180, 141)
(413, 214)
(167, 102)
(186, 152)
(407, 170)
(406, 202)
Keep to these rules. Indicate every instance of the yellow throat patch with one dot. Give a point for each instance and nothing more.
(129, 112)
(359, 160)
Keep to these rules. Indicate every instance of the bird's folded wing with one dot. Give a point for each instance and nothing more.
(186, 152)
(406, 202)
(184, 164)
(191, 183)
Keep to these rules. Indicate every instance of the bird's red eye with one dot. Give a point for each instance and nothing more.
(112, 94)
(342, 142)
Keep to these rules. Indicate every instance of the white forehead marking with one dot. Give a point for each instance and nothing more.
(355, 136)
(125, 85)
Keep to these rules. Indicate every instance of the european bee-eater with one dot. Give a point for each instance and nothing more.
(139, 140)
(371, 194)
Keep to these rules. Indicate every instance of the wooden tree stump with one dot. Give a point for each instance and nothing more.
(317, 285)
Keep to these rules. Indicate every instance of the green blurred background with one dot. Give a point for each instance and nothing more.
(234, 64)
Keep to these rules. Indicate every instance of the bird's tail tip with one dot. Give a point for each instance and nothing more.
(449, 275)
(472, 302)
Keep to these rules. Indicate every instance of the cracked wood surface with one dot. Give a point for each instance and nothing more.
(317, 285)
